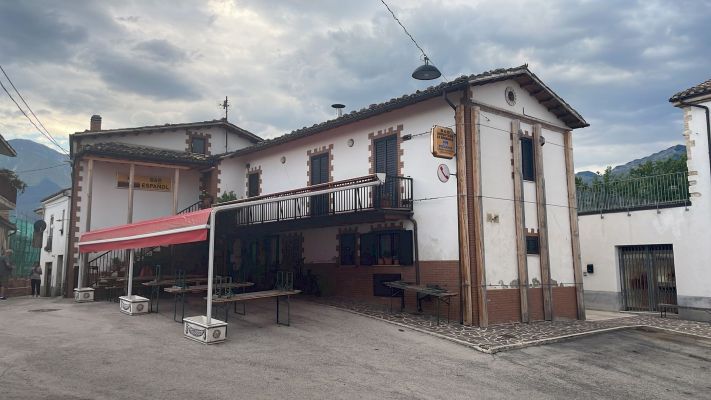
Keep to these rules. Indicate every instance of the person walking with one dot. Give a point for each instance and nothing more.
(6, 267)
(35, 279)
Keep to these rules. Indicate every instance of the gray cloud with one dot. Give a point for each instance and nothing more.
(161, 50)
(284, 62)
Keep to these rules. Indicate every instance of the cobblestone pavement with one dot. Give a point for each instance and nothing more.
(517, 335)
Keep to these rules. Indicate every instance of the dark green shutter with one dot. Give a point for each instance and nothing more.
(368, 249)
(405, 248)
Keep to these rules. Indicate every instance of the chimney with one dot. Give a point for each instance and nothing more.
(95, 124)
(339, 108)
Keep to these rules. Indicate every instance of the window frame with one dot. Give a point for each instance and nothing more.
(535, 249)
(257, 177)
(528, 159)
(204, 144)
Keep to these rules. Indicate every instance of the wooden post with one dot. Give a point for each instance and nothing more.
(519, 215)
(176, 182)
(477, 211)
(131, 172)
(463, 218)
(542, 225)
(574, 231)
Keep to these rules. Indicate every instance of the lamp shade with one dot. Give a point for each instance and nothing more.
(426, 72)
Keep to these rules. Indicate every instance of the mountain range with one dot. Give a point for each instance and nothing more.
(672, 152)
(44, 170)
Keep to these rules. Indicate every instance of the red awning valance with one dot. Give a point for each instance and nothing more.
(174, 229)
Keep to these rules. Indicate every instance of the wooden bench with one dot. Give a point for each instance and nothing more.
(179, 293)
(663, 307)
(279, 294)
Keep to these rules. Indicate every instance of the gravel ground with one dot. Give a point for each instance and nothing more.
(91, 351)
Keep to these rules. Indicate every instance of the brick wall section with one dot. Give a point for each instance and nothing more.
(18, 287)
(356, 282)
(535, 304)
(504, 306)
(564, 303)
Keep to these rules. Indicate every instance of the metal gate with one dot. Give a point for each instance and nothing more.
(648, 277)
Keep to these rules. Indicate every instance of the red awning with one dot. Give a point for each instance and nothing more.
(174, 229)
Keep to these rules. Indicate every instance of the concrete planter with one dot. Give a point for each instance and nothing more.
(83, 295)
(197, 329)
(133, 305)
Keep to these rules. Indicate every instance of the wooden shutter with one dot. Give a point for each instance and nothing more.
(253, 185)
(405, 247)
(368, 249)
(528, 166)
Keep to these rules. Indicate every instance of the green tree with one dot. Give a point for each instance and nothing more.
(227, 196)
(14, 180)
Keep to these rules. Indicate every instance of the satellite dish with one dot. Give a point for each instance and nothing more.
(40, 225)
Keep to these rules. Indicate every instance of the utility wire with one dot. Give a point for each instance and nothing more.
(410, 36)
(38, 169)
(45, 133)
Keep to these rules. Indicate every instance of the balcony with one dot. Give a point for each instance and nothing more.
(390, 200)
(8, 194)
(649, 192)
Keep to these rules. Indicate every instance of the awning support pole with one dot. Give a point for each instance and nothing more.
(210, 266)
(130, 272)
(80, 279)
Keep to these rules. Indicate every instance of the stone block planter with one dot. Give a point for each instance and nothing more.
(197, 329)
(133, 305)
(83, 295)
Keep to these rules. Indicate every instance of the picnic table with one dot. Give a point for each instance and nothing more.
(155, 284)
(179, 292)
(279, 294)
(398, 289)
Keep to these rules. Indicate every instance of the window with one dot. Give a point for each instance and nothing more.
(532, 245)
(253, 184)
(386, 248)
(528, 165)
(197, 145)
(50, 235)
(347, 248)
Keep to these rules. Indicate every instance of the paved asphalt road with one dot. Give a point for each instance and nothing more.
(91, 351)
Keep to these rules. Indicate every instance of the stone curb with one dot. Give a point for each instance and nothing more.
(530, 343)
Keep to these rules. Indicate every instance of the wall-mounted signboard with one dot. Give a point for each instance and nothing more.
(153, 183)
(443, 142)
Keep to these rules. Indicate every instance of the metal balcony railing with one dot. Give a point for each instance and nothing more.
(394, 194)
(658, 191)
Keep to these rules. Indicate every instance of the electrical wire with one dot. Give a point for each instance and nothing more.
(39, 169)
(47, 134)
(410, 36)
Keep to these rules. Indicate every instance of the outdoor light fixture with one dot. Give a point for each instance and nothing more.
(426, 72)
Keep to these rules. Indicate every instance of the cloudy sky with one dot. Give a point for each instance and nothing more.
(282, 63)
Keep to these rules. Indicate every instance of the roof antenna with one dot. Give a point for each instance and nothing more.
(225, 105)
(339, 108)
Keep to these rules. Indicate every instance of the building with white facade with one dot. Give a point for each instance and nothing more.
(55, 213)
(645, 243)
(502, 234)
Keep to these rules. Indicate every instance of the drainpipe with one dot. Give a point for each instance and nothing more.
(708, 127)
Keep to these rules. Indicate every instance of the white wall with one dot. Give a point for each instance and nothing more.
(435, 207)
(686, 230)
(59, 209)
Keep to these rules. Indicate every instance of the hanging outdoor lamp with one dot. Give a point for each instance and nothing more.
(426, 71)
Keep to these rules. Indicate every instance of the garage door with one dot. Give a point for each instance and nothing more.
(648, 277)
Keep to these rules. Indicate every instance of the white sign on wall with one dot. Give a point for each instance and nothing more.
(443, 172)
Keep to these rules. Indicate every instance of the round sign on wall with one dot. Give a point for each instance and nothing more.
(443, 172)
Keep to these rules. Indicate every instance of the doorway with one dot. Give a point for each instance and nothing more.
(46, 288)
(59, 279)
(648, 276)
